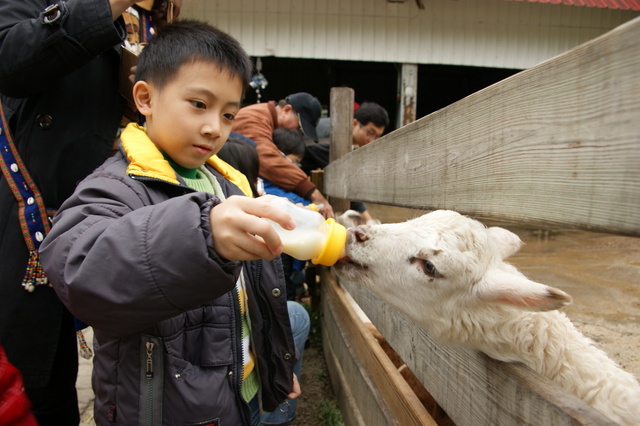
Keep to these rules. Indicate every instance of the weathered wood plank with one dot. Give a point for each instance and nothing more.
(341, 116)
(381, 394)
(358, 398)
(557, 144)
(341, 383)
(472, 388)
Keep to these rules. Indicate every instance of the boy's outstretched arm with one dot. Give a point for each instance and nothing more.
(240, 232)
(123, 266)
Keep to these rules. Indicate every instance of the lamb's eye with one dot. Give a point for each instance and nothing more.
(429, 269)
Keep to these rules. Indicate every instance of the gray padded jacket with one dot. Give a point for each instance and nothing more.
(130, 253)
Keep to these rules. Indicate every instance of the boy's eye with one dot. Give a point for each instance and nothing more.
(230, 116)
(198, 104)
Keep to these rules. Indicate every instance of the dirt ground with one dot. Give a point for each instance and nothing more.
(601, 272)
(317, 405)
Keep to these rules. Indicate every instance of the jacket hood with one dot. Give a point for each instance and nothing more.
(146, 160)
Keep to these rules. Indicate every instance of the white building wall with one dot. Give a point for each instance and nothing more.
(488, 33)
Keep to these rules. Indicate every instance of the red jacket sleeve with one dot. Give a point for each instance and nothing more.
(14, 404)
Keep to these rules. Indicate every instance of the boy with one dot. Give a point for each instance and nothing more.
(291, 145)
(169, 275)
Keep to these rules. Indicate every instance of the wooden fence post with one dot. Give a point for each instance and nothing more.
(341, 113)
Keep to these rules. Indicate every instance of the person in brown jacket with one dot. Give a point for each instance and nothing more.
(300, 111)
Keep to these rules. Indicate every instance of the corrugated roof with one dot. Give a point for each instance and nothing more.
(603, 4)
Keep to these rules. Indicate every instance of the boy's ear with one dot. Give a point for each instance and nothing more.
(142, 97)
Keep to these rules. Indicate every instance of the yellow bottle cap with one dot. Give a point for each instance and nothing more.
(334, 245)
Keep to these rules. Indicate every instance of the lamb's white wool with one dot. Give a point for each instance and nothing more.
(352, 218)
(447, 273)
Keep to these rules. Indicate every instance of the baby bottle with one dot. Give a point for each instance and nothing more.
(314, 238)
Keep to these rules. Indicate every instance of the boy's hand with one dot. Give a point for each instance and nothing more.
(240, 233)
(296, 391)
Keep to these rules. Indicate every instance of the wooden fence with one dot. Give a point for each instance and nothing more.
(555, 145)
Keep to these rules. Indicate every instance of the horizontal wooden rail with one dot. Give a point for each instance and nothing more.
(472, 388)
(557, 144)
(371, 391)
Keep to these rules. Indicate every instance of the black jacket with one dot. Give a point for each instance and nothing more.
(59, 90)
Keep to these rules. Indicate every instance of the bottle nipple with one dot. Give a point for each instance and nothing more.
(334, 246)
(314, 238)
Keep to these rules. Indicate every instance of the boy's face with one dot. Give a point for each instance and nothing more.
(190, 117)
(294, 158)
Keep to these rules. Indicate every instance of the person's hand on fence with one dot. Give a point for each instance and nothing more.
(324, 208)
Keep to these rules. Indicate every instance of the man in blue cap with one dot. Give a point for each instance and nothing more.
(300, 111)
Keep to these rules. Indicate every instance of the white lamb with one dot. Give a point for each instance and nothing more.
(447, 273)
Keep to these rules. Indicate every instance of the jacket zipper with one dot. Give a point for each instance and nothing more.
(266, 307)
(238, 379)
(151, 380)
(149, 377)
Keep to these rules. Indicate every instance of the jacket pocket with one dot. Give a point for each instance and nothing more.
(200, 395)
(202, 345)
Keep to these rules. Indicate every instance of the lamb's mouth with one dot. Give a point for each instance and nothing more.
(347, 262)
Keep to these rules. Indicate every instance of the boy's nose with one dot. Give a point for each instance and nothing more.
(212, 128)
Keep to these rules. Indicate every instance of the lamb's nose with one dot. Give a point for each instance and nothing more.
(360, 234)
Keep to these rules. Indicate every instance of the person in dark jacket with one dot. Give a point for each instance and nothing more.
(369, 123)
(240, 152)
(175, 270)
(59, 70)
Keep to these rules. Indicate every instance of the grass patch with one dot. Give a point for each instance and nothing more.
(328, 413)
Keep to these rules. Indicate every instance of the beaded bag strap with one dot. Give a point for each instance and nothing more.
(33, 216)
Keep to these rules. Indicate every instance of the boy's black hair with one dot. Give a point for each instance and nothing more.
(189, 41)
(371, 112)
(243, 157)
(289, 141)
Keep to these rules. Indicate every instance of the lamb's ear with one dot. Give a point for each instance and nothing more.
(520, 292)
(506, 243)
